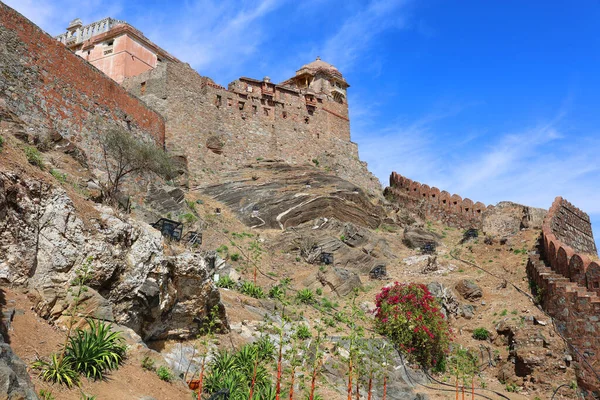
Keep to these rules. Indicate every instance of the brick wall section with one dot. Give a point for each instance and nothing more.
(451, 210)
(217, 128)
(570, 284)
(60, 94)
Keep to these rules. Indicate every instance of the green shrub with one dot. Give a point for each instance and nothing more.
(226, 282)
(315, 161)
(234, 257)
(305, 296)
(46, 395)
(504, 312)
(1, 143)
(463, 364)
(62, 178)
(34, 156)
(148, 364)
(410, 317)
(222, 249)
(481, 334)
(319, 291)
(188, 218)
(164, 373)
(252, 290)
(277, 292)
(96, 350)
(57, 371)
(303, 332)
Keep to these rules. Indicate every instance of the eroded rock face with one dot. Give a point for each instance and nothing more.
(277, 195)
(415, 237)
(43, 241)
(469, 290)
(507, 218)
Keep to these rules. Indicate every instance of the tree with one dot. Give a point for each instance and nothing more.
(124, 155)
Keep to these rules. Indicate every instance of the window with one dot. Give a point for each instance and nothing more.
(596, 285)
(241, 105)
(266, 111)
(229, 102)
(254, 110)
(284, 114)
(218, 101)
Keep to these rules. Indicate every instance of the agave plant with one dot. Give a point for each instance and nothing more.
(57, 371)
(96, 350)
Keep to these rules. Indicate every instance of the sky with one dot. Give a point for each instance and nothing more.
(492, 100)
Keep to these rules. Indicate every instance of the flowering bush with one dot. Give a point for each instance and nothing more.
(410, 317)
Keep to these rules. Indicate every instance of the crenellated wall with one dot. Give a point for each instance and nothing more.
(451, 210)
(568, 284)
(61, 95)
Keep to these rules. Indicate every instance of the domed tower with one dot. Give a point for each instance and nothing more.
(320, 77)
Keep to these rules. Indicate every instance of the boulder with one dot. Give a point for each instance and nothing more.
(450, 305)
(507, 218)
(415, 237)
(339, 280)
(469, 290)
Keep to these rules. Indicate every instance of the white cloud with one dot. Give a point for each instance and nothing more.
(358, 31)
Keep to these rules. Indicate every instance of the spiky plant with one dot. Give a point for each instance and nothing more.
(95, 350)
(57, 370)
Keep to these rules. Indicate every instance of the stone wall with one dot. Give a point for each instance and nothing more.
(61, 96)
(568, 285)
(430, 202)
(573, 228)
(219, 129)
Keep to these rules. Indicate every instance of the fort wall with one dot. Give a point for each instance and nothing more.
(434, 203)
(567, 282)
(61, 95)
(218, 128)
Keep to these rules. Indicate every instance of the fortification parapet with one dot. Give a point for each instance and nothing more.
(430, 202)
(567, 282)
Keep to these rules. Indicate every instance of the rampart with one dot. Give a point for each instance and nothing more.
(432, 202)
(218, 128)
(567, 283)
(61, 95)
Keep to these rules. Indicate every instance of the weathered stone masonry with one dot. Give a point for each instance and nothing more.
(451, 210)
(568, 284)
(62, 95)
(217, 128)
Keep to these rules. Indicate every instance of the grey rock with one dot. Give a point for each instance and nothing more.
(415, 237)
(469, 290)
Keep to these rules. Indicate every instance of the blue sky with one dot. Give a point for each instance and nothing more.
(493, 100)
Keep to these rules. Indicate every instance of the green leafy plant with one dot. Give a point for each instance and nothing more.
(252, 290)
(188, 218)
(148, 364)
(315, 161)
(305, 296)
(62, 178)
(481, 334)
(46, 395)
(222, 249)
(34, 156)
(226, 282)
(303, 332)
(504, 313)
(234, 256)
(277, 292)
(462, 364)
(319, 292)
(411, 318)
(96, 350)
(57, 370)
(165, 373)
(1, 143)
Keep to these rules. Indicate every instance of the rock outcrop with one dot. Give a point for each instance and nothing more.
(45, 238)
(277, 195)
(507, 218)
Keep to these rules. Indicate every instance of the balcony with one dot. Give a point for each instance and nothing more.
(311, 101)
(267, 91)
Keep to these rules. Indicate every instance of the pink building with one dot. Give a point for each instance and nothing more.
(114, 47)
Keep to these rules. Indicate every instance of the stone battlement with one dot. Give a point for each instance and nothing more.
(432, 202)
(568, 285)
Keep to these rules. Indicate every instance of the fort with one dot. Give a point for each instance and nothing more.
(303, 119)
(565, 275)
